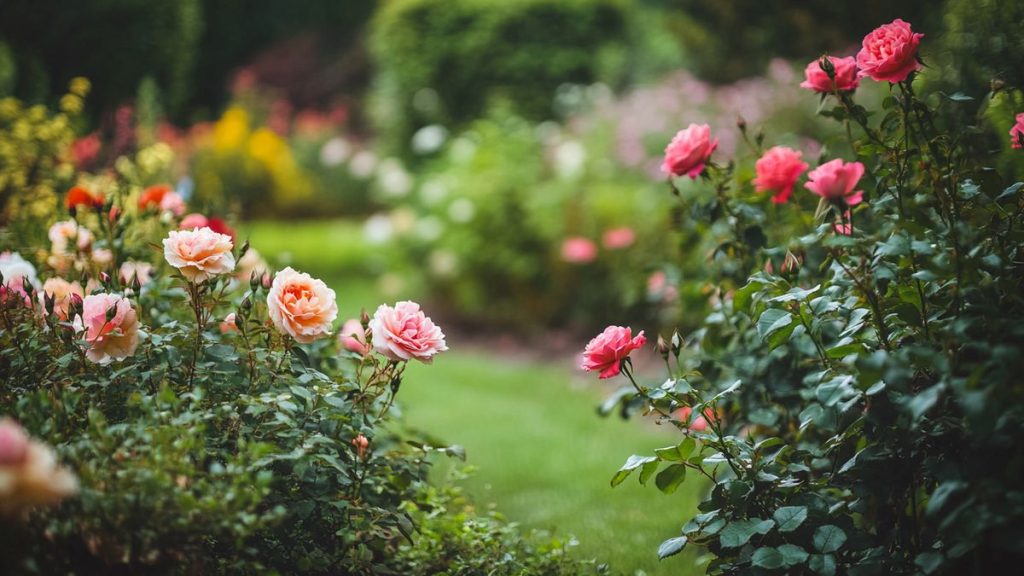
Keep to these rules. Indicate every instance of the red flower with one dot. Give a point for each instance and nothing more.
(152, 196)
(80, 196)
(220, 226)
(609, 348)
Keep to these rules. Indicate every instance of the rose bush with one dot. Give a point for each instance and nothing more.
(195, 415)
(852, 399)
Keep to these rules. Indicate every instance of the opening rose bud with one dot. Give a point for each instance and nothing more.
(889, 52)
(606, 352)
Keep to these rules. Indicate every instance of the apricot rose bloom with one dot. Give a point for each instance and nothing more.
(889, 52)
(110, 327)
(1017, 132)
(404, 332)
(606, 352)
(301, 306)
(29, 472)
(199, 254)
(836, 180)
(62, 293)
(778, 171)
(817, 79)
(689, 151)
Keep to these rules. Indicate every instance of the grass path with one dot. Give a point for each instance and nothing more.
(543, 456)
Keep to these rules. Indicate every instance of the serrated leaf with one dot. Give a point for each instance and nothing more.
(790, 518)
(767, 557)
(670, 478)
(829, 538)
(738, 532)
(671, 547)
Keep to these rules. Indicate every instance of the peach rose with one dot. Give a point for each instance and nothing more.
(62, 233)
(889, 52)
(353, 338)
(845, 75)
(778, 171)
(29, 472)
(1017, 132)
(301, 306)
(110, 327)
(199, 254)
(578, 250)
(836, 180)
(609, 349)
(361, 444)
(405, 332)
(142, 271)
(62, 292)
(689, 151)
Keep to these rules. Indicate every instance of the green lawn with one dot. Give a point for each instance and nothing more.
(543, 456)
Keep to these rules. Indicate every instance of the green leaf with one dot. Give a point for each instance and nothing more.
(929, 562)
(670, 478)
(824, 564)
(738, 533)
(769, 558)
(924, 401)
(671, 547)
(1010, 191)
(632, 463)
(772, 321)
(829, 538)
(792, 554)
(831, 392)
(648, 470)
(790, 518)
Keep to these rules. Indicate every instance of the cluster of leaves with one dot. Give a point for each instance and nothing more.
(862, 400)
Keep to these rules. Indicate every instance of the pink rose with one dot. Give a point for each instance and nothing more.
(618, 238)
(700, 423)
(689, 151)
(836, 180)
(228, 324)
(199, 254)
(301, 306)
(846, 78)
(141, 271)
(172, 202)
(62, 292)
(404, 332)
(361, 444)
(608, 349)
(353, 337)
(110, 326)
(1017, 132)
(13, 443)
(778, 171)
(578, 250)
(62, 232)
(193, 220)
(889, 52)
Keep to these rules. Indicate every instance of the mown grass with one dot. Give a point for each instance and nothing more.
(543, 456)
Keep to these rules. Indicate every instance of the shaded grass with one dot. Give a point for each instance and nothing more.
(543, 456)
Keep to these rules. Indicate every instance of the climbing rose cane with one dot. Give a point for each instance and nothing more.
(608, 349)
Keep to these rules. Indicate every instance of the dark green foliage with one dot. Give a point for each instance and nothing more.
(443, 61)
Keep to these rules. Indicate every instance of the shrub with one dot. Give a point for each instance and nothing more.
(445, 61)
(855, 408)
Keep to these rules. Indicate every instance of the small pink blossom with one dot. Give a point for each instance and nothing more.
(173, 202)
(62, 292)
(889, 52)
(67, 232)
(689, 151)
(618, 238)
(405, 332)
(700, 423)
(109, 326)
(193, 220)
(607, 351)
(353, 338)
(1017, 132)
(846, 78)
(578, 250)
(141, 271)
(835, 181)
(778, 171)
(228, 324)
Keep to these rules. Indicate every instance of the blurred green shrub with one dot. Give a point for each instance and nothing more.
(443, 61)
(982, 43)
